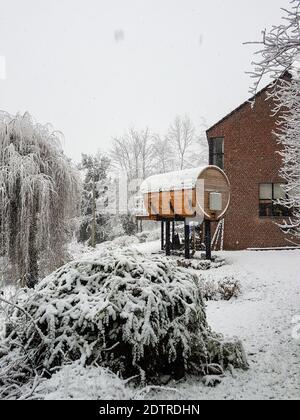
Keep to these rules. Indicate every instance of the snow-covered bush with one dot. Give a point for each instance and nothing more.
(149, 236)
(79, 250)
(133, 314)
(124, 241)
(75, 382)
(229, 288)
(8, 293)
(128, 224)
(196, 264)
(223, 289)
(154, 235)
(142, 237)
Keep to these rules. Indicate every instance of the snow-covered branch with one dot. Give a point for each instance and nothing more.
(280, 59)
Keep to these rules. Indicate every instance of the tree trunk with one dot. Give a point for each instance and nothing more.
(32, 274)
(93, 236)
(16, 260)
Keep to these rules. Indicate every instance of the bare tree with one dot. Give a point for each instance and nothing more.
(278, 48)
(163, 159)
(143, 142)
(182, 138)
(132, 153)
(200, 154)
(141, 153)
(121, 156)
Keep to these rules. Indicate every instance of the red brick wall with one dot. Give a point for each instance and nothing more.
(250, 159)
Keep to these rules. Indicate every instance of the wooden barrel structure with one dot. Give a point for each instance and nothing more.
(187, 194)
(201, 194)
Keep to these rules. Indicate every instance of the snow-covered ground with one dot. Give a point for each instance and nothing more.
(262, 317)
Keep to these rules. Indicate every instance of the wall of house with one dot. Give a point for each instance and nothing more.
(251, 158)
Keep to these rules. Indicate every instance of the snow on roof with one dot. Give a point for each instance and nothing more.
(172, 181)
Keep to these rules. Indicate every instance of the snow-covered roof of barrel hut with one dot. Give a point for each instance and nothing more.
(172, 181)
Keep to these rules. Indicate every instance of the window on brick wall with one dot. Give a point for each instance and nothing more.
(268, 194)
(216, 152)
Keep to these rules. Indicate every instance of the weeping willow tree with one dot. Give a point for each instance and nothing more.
(38, 195)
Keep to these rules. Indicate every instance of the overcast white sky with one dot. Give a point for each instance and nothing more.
(94, 68)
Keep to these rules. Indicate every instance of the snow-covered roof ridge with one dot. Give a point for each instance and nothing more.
(172, 181)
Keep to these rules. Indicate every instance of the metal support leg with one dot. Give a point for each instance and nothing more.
(208, 239)
(162, 235)
(168, 242)
(187, 240)
(173, 235)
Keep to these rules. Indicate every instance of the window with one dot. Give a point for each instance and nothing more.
(216, 152)
(268, 194)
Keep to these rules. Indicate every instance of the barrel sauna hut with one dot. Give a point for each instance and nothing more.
(199, 195)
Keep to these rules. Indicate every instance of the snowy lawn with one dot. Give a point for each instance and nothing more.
(262, 317)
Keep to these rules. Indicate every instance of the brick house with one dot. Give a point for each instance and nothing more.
(243, 144)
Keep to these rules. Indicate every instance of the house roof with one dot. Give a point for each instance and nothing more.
(240, 107)
(285, 74)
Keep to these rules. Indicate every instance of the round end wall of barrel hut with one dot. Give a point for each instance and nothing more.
(213, 193)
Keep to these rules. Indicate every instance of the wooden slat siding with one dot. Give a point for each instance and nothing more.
(178, 202)
(153, 204)
(166, 198)
(172, 204)
(188, 203)
(159, 218)
(194, 198)
(160, 199)
(182, 203)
